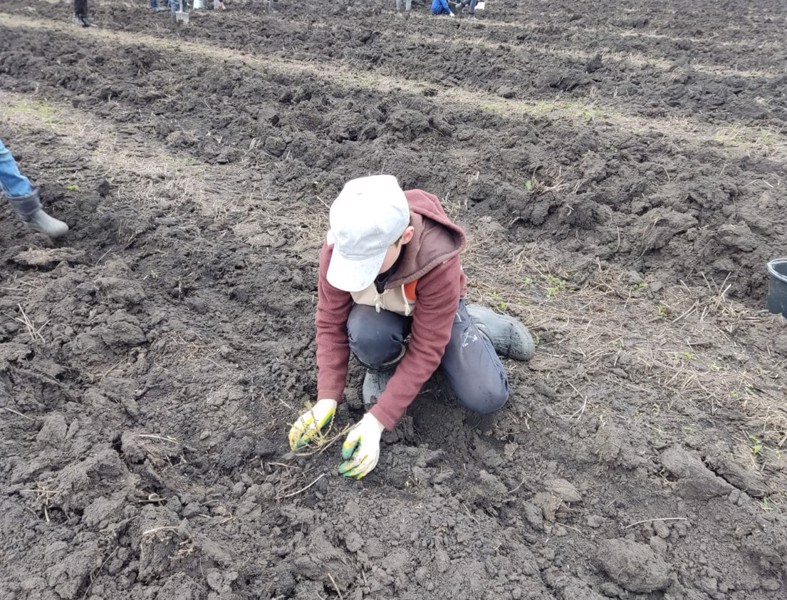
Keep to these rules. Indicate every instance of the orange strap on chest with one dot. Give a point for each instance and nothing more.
(409, 290)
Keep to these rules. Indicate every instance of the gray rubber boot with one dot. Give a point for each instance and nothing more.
(374, 383)
(510, 338)
(30, 209)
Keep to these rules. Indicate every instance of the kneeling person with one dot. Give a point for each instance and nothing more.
(391, 291)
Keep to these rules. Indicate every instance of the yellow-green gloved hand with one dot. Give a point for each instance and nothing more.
(361, 449)
(309, 425)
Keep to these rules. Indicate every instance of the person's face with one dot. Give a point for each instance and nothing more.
(395, 249)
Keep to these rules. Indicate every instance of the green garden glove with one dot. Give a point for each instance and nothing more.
(309, 425)
(361, 449)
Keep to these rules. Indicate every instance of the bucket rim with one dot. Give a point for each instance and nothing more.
(772, 271)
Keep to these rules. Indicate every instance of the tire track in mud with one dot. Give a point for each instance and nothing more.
(685, 129)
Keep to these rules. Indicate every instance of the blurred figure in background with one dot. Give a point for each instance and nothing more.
(175, 7)
(440, 7)
(408, 5)
(80, 14)
(471, 3)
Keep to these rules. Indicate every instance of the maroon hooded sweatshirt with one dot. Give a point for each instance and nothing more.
(431, 258)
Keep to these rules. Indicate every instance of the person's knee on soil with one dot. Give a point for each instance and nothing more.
(376, 339)
(485, 399)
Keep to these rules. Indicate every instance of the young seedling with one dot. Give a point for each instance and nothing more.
(556, 285)
(756, 445)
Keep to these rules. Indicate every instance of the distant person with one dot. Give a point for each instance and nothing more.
(156, 8)
(471, 3)
(80, 14)
(408, 5)
(440, 7)
(25, 198)
(219, 5)
(174, 6)
(391, 291)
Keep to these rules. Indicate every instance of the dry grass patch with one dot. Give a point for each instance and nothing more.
(677, 347)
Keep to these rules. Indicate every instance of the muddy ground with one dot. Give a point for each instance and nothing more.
(620, 171)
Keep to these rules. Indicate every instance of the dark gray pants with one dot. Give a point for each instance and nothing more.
(470, 363)
(471, 3)
(80, 8)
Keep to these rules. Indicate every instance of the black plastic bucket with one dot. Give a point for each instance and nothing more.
(777, 287)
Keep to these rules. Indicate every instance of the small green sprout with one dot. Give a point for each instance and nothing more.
(756, 445)
(556, 285)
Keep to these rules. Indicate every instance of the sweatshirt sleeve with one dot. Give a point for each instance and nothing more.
(437, 300)
(333, 348)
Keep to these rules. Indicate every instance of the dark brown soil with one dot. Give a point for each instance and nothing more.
(620, 170)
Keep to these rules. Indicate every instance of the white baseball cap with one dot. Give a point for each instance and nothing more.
(369, 215)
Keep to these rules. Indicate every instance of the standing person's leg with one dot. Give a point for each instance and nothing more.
(472, 7)
(24, 197)
(472, 367)
(377, 341)
(12, 181)
(81, 13)
(408, 6)
(80, 8)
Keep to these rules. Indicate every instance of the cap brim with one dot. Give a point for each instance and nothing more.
(353, 275)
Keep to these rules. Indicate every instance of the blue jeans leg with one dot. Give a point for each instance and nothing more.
(14, 184)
